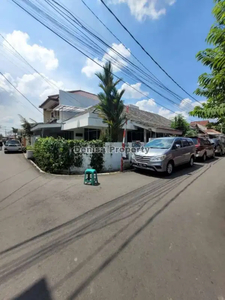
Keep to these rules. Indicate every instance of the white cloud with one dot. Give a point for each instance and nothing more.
(33, 53)
(170, 115)
(146, 104)
(133, 91)
(142, 9)
(151, 106)
(91, 67)
(35, 86)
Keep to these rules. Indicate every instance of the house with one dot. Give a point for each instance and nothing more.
(141, 125)
(201, 127)
(59, 108)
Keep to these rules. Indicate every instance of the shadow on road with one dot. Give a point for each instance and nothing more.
(38, 291)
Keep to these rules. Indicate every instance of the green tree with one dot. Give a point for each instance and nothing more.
(212, 85)
(111, 106)
(180, 123)
(15, 131)
(26, 128)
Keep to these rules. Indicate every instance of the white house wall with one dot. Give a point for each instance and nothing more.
(112, 161)
(90, 120)
(80, 121)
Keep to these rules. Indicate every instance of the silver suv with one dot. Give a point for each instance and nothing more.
(163, 154)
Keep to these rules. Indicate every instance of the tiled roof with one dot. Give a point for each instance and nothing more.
(203, 123)
(213, 131)
(139, 116)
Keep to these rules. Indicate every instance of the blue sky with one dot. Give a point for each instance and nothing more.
(171, 31)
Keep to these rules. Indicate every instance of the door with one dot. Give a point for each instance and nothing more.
(186, 151)
(177, 153)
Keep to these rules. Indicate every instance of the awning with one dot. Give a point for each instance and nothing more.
(46, 126)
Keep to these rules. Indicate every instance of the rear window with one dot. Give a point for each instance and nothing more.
(195, 141)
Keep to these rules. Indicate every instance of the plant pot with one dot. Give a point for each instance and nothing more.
(29, 154)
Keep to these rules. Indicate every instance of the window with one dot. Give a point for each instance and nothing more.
(190, 143)
(91, 134)
(177, 142)
(185, 143)
(196, 141)
(206, 142)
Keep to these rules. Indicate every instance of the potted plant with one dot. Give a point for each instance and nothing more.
(29, 152)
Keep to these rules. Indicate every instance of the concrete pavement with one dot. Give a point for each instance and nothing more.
(135, 236)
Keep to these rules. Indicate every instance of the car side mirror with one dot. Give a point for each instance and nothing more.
(177, 146)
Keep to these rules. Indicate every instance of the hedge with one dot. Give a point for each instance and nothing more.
(56, 155)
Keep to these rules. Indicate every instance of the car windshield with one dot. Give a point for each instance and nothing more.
(13, 142)
(160, 143)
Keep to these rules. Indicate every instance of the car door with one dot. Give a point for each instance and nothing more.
(186, 151)
(177, 154)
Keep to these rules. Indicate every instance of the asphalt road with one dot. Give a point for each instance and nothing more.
(135, 236)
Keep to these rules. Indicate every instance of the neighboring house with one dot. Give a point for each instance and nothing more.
(59, 108)
(141, 125)
(203, 123)
(201, 128)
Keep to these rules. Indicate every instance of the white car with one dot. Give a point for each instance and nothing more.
(12, 146)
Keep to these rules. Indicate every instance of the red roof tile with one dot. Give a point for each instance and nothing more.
(203, 123)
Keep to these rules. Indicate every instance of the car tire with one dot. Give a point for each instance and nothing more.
(192, 161)
(204, 157)
(169, 168)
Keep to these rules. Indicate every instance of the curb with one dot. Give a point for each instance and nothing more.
(78, 175)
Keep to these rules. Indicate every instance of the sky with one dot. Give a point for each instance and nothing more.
(172, 31)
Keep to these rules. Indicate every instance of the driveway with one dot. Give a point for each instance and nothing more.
(135, 236)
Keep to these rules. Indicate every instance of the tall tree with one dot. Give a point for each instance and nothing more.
(212, 85)
(180, 123)
(111, 105)
(15, 131)
(26, 128)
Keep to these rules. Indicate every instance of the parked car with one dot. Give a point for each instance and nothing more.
(219, 147)
(163, 154)
(204, 148)
(12, 146)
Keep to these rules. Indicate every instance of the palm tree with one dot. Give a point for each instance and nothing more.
(111, 105)
(26, 128)
(15, 131)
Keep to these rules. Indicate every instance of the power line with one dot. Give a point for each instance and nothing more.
(68, 42)
(128, 49)
(74, 19)
(126, 70)
(35, 70)
(20, 92)
(139, 44)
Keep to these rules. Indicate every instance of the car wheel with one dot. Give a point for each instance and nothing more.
(204, 157)
(191, 162)
(169, 168)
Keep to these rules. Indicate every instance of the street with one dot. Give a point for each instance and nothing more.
(135, 236)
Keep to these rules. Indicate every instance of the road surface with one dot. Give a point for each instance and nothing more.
(135, 236)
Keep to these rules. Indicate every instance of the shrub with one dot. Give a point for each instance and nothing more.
(29, 147)
(97, 160)
(57, 155)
